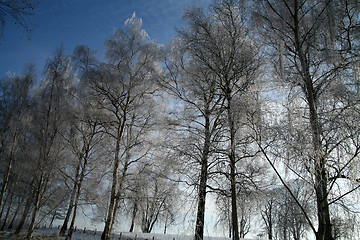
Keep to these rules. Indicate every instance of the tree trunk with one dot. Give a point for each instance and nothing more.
(4, 205)
(107, 229)
(200, 218)
(230, 228)
(78, 193)
(165, 226)
(52, 219)
(113, 195)
(26, 211)
(36, 206)
(71, 203)
(232, 158)
(119, 191)
(324, 226)
(68, 214)
(8, 211)
(23, 218)
(15, 215)
(234, 217)
(242, 227)
(133, 215)
(9, 166)
(270, 228)
(72, 224)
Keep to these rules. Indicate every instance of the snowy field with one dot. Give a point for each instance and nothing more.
(92, 235)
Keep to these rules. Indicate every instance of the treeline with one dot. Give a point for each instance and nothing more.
(254, 102)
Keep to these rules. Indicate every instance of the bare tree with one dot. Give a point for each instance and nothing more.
(49, 108)
(83, 138)
(315, 48)
(268, 215)
(219, 42)
(15, 94)
(157, 198)
(123, 91)
(290, 222)
(195, 86)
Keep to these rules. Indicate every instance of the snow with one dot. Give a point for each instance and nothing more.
(92, 235)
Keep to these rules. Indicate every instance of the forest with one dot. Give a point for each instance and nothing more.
(253, 105)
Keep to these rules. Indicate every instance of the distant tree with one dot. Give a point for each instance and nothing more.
(251, 180)
(18, 11)
(157, 198)
(290, 220)
(268, 214)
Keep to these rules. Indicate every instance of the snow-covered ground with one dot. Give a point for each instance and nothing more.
(92, 235)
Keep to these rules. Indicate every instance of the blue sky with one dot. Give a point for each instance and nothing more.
(89, 22)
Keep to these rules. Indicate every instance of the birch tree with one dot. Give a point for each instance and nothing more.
(123, 90)
(82, 138)
(219, 41)
(315, 47)
(15, 97)
(47, 117)
(157, 198)
(191, 83)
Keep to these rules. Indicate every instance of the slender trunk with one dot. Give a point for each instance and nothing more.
(133, 215)
(155, 219)
(4, 205)
(52, 219)
(71, 203)
(230, 228)
(78, 193)
(200, 219)
(242, 227)
(24, 216)
(8, 211)
(72, 224)
(26, 211)
(9, 166)
(68, 214)
(324, 225)
(15, 215)
(119, 191)
(235, 222)
(270, 230)
(113, 195)
(165, 225)
(36, 206)
(232, 158)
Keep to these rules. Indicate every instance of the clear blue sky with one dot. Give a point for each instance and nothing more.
(89, 22)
